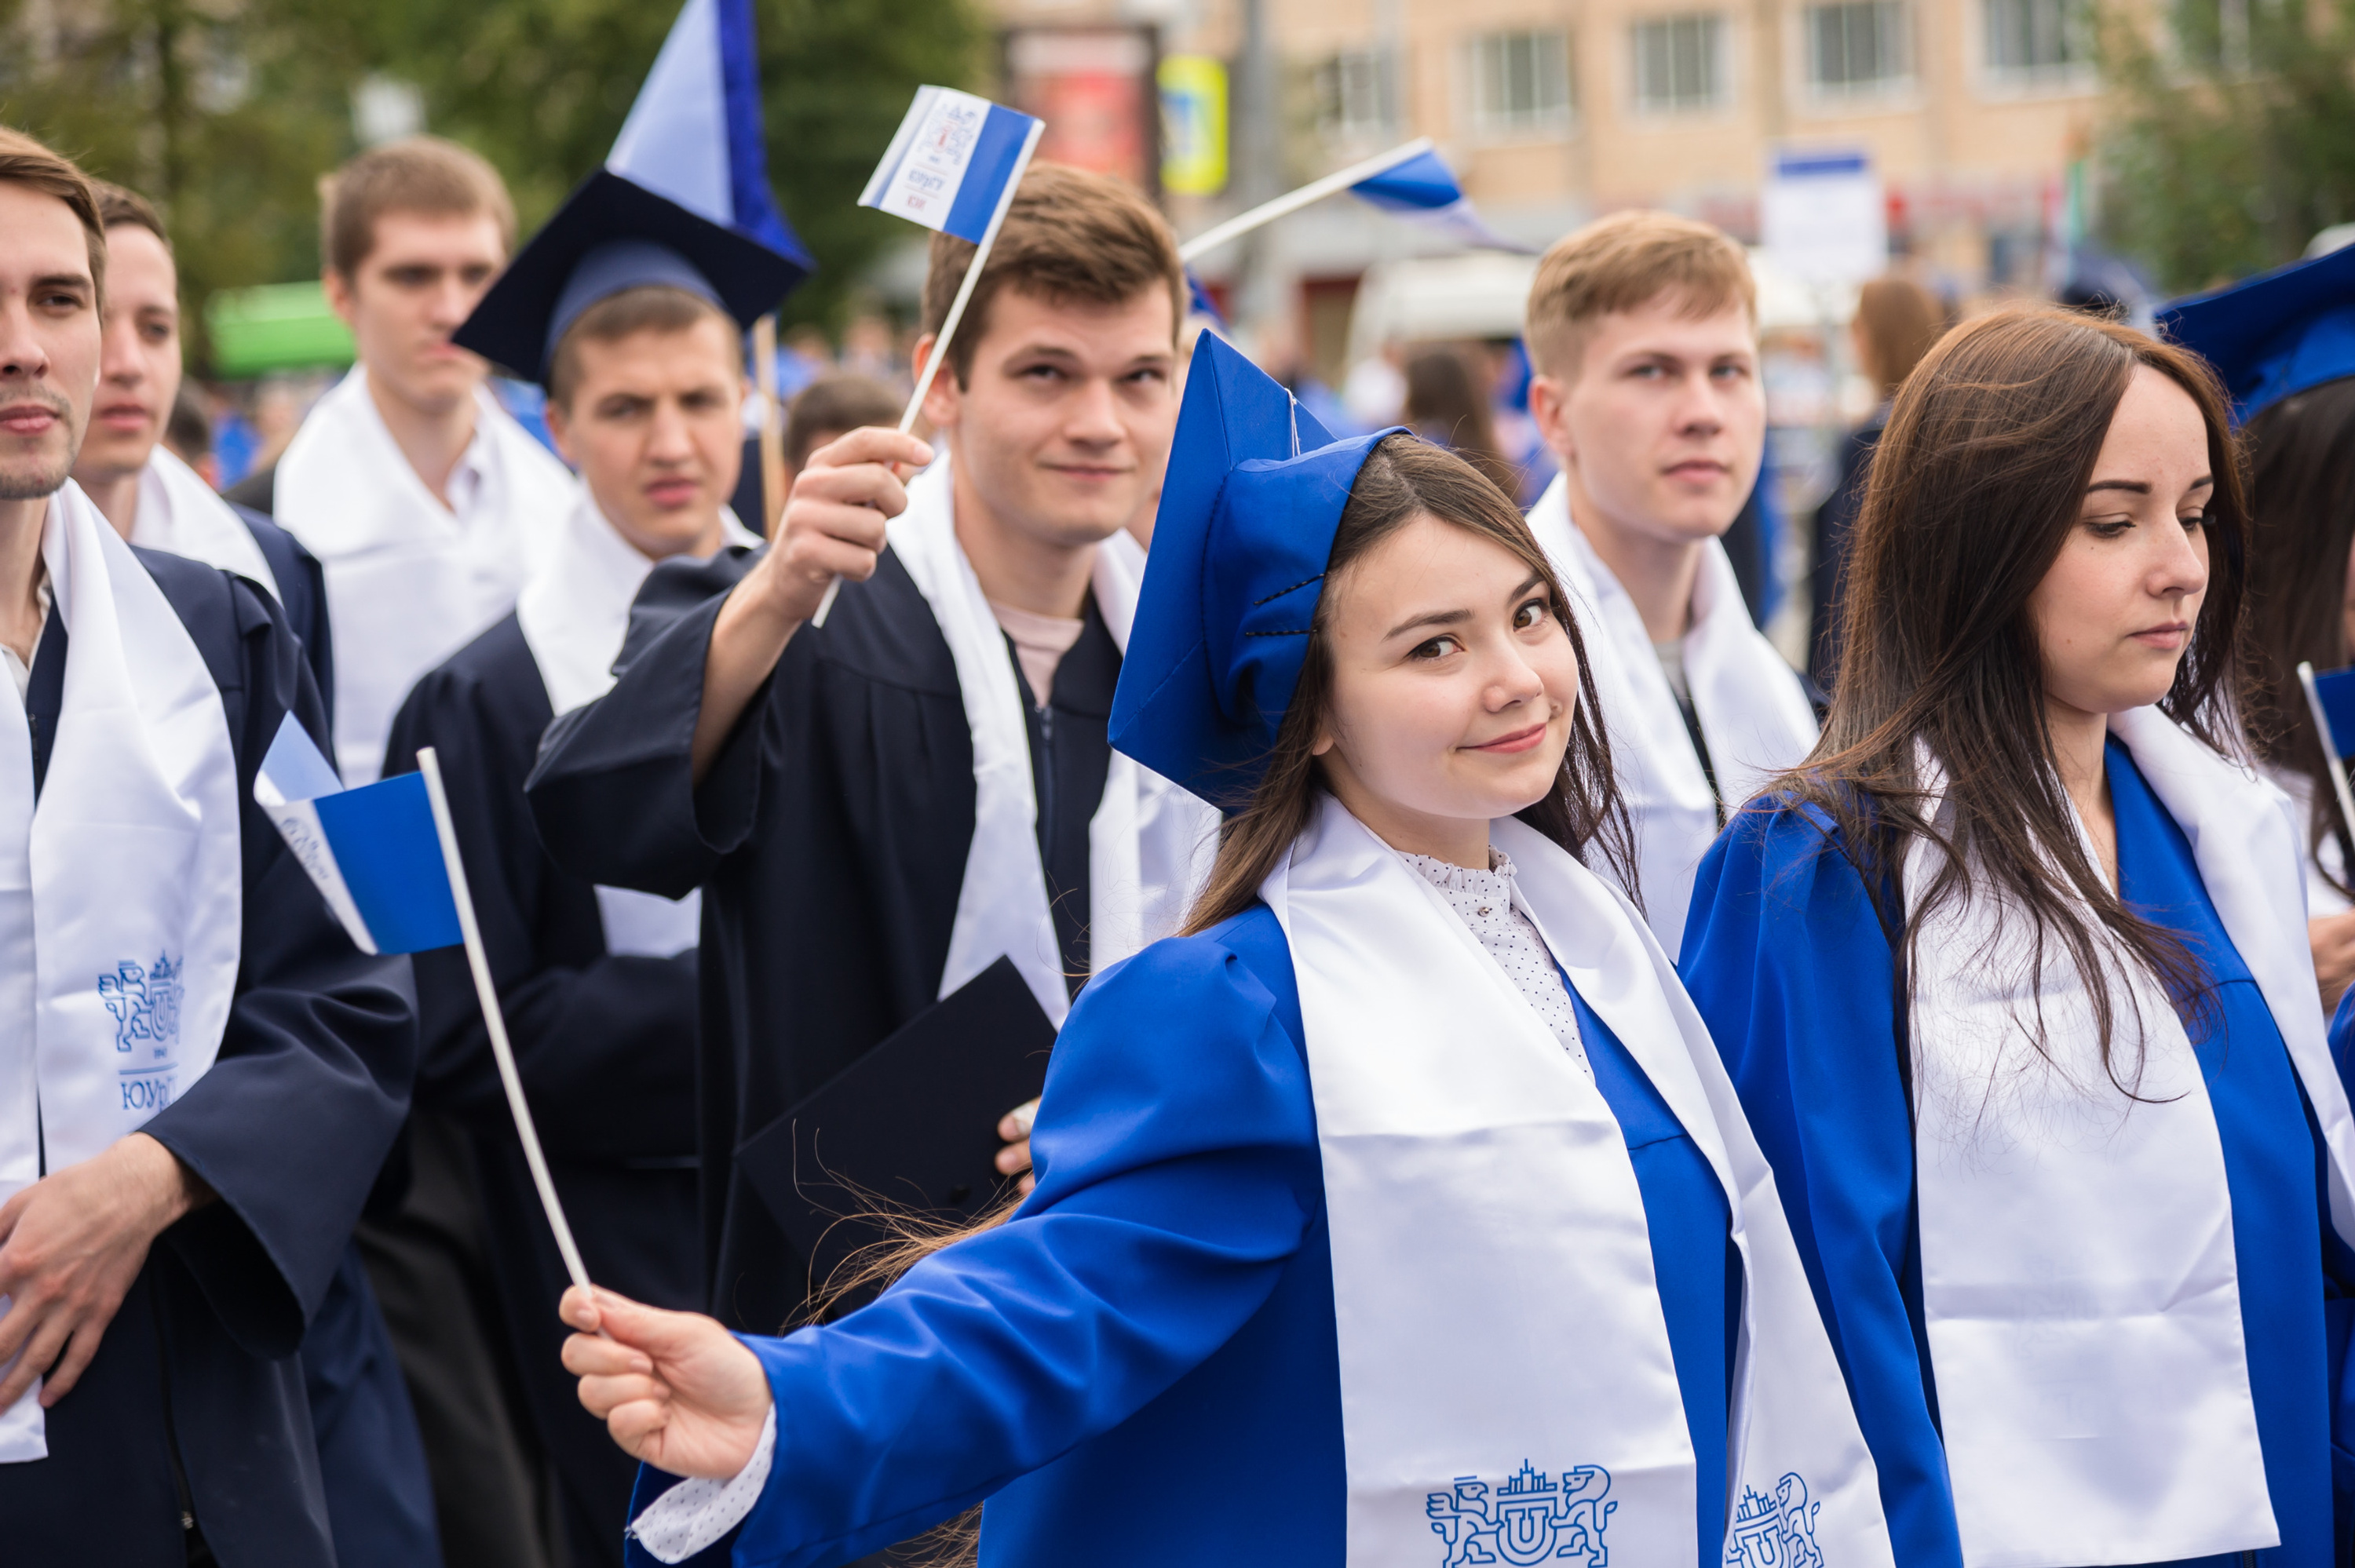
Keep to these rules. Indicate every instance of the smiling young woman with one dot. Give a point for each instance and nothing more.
(2012, 976)
(1403, 1197)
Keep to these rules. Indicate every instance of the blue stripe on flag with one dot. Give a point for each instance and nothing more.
(1423, 184)
(755, 208)
(384, 843)
(2335, 691)
(987, 172)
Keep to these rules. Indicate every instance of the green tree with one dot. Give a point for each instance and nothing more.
(540, 86)
(225, 124)
(2232, 141)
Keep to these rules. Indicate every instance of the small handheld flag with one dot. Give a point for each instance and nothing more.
(953, 166)
(2330, 697)
(1412, 180)
(386, 857)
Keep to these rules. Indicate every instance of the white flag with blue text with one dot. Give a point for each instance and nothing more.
(950, 162)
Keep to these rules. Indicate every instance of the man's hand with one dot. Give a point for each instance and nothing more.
(70, 1245)
(2333, 939)
(833, 527)
(674, 1389)
(1013, 1127)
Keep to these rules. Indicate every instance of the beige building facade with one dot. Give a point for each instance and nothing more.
(1553, 112)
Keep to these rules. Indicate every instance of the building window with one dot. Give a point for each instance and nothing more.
(1520, 83)
(2037, 37)
(1858, 44)
(1679, 62)
(1354, 95)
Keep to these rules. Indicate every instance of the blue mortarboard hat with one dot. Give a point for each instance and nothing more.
(609, 234)
(1253, 496)
(2279, 333)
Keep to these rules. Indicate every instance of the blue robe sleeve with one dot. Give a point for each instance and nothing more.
(1785, 957)
(1177, 1172)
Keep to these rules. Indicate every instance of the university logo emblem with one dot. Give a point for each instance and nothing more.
(1774, 1533)
(1530, 1519)
(145, 1003)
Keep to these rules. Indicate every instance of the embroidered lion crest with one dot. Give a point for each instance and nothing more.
(1774, 1533)
(145, 1002)
(1529, 1520)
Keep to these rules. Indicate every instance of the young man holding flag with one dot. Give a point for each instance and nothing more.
(881, 806)
(198, 1074)
(612, 307)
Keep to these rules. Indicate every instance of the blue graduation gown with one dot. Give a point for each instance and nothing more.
(1141, 1367)
(1787, 962)
(196, 1400)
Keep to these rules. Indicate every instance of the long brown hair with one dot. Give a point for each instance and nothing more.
(1978, 483)
(2302, 475)
(1405, 478)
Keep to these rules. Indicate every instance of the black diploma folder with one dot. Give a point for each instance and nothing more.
(913, 1123)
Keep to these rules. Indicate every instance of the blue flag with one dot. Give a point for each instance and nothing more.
(372, 851)
(694, 134)
(1424, 188)
(950, 163)
(2333, 695)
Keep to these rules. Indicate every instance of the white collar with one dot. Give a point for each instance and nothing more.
(180, 515)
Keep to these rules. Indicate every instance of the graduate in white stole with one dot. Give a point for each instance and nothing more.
(1399, 1214)
(2014, 982)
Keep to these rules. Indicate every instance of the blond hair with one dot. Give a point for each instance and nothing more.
(415, 173)
(1623, 262)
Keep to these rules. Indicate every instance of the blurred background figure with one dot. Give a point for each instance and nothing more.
(2302, 610)
(1446, 402)
(188, 433)
(1896, 321)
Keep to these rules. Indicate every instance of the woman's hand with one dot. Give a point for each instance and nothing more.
(676, 1390)
(1014, 1131)
(2332, 938)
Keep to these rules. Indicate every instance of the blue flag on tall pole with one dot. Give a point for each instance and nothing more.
(694, 134)
(1411, 180)
(2330, 697)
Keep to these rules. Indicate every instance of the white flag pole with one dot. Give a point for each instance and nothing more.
(1314, 191)
(487, 994)
(956, 313)
(2329, 749)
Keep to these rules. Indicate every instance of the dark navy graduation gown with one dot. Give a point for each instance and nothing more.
(829, 839)
(606, 1047)
(1786, 960)
(303, 594)
(195, 1402)
(1140, 1368)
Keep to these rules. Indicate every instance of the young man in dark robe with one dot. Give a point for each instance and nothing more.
(371, 1458)
(198, 1074)
(880, 808)
(644, 373)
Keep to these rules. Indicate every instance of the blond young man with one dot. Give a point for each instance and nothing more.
(825, 785)
(1642, 330)
(426, 503)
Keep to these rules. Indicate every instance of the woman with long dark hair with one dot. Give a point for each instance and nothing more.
(1400, 1212)
(2012, 977)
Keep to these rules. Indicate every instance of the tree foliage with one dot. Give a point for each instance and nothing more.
(2232, 135)
(227, 112)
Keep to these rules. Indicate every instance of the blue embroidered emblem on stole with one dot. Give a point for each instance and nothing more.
(1777, 1532)
(145, 1003)
(1529, 1520)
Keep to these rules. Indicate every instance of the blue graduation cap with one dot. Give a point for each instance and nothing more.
(694, 134)
(2277, 333)
(1254, 497)
(613, 233)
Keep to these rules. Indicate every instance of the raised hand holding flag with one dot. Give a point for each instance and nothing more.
(953, 166)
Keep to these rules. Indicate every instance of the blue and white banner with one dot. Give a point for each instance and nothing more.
(950, 162)
(372, 851)
(1425, 188)
(2334, 704)
(694, 134)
